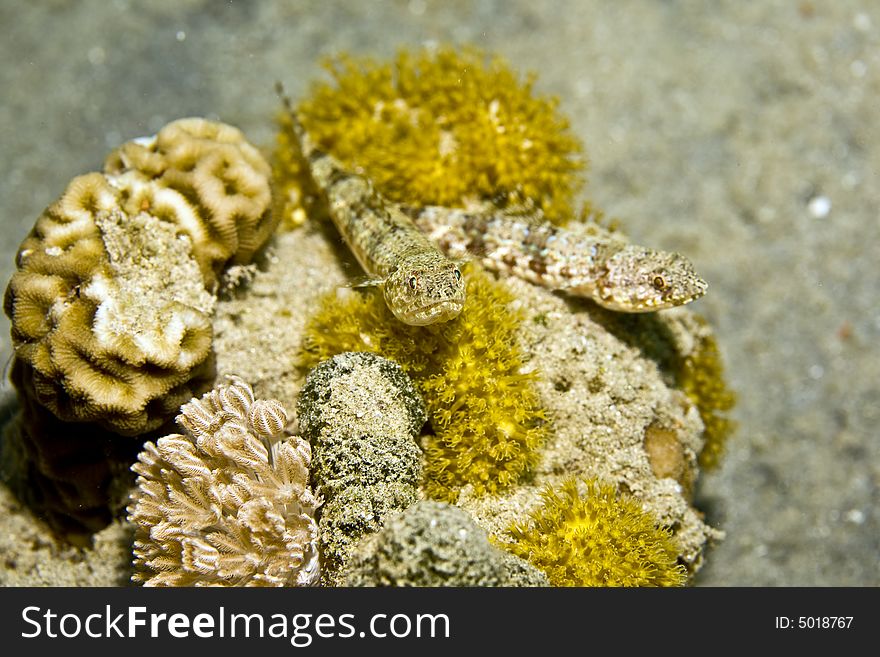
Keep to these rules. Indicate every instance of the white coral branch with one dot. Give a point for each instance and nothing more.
(228, 502)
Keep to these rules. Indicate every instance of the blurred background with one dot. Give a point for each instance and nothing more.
(744, 135)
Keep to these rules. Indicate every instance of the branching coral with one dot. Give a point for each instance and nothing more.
(440, 127)
(487, 421)
(109, 305)
(361, 413)
(597, 539)
(227, 503)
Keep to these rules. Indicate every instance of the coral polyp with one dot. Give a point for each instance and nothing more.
(438, 127)
(226, 503)
(487, 421)
(701, 376)
(599, 538)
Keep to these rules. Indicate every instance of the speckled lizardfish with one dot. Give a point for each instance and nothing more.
(421, 285)
(592, 263)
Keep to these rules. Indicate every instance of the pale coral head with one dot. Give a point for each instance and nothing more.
(425, 289)
(637, 279)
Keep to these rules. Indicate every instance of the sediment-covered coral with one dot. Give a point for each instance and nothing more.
(686, 349)
(599, 538)
(438, 127)
(227, 503)
(361, 413)
(487, 421)
(436, 544)
(110, 306)
(220, 182)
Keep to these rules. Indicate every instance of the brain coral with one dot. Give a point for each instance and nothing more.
(110, 305)
(222, 184)
(74, 477)
(228, 502)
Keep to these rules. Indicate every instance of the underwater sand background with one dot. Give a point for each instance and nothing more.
(723, 131)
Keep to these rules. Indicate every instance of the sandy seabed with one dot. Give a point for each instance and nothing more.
(743, 135)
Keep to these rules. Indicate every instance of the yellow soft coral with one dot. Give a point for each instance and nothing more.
(701, 376)
(486, 418)
(438, 128)
(597, 539)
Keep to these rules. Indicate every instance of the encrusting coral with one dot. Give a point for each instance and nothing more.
(436, 127)
(436, 544)
(112, 301)
(487, 421)
(600, 538)
(227, 503)
(361, 413)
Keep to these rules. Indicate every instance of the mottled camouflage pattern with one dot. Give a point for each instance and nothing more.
(591, 263)
(420, 284)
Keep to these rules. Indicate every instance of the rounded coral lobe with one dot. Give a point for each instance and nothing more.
(112, 301)
(441, 126)
(425, 289)
(638, 279)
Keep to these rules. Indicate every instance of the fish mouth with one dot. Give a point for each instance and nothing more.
(433, 313)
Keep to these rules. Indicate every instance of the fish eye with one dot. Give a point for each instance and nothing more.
(658, 282)
(457, 274)
(412, 282)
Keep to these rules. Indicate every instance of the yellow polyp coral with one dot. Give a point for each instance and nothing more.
(600, 538)
(439, 127)
(487, 421)
(112, 301)
(700, 375)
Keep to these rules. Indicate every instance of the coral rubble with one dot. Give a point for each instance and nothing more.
(112, 301)
(227, 503)
(436, 544)
(361, 413)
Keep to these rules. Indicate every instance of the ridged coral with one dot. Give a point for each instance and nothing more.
(221, 181)
(360, 413)
(487, 421)
(436, 544)
(439, 127)
(599, 538)
(227, 503)
(109, 305)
